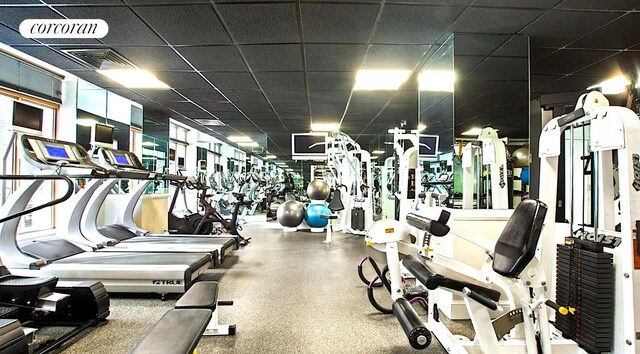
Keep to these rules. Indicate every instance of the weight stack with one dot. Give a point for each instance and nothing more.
(585, 282)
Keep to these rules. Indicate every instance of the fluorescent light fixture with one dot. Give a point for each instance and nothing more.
(421, 127)
(251, 144)
(149, 143)
(325, 127)
(473, 132)
(86, 122)
(436, 80)
(377, 152)
(613, 86)
(134, 78)
(280, 163)
(239, 139)
(371, 80)
(271, 157)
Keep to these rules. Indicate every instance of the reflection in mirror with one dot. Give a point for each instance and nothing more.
(435, 120)
(491, 113)
(155, 146)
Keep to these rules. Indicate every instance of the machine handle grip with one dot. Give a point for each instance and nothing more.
(560, 309)
(65, 197)
(418, 335)
(482, 300)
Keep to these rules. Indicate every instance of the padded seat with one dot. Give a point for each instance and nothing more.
(177, 332)
(201, 295)
(434, 276)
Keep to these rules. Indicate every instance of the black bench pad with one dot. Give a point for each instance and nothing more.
(434, 276)
(177, 332)
(328, 217)
(201, 295)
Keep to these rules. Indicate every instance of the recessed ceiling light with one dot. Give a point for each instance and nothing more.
(134, 78)
(473, 132)
(271, 157)
(281, 164)
(613, 86)
(377, 152)
(421, 127)
(251, 144)
(436, 80)
(372, 80)
(325, 127)
(239, 139)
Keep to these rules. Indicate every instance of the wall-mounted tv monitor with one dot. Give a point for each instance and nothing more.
(102, 133)
(428, 146)
(26, 116)
(309, 146)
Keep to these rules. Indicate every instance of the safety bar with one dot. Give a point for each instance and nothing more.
(418, 335)
(434, 227)
(66, 196)
(481, 299)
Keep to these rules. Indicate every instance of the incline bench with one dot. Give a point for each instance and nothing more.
(180, 329)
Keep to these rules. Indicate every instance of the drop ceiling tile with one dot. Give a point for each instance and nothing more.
(277, 57)
(336, 23)
(252, 107)
(494, 20)
(388, 56)
(160, 95)
(232, 80)
(281, 81)
(10, 36)
(330, 97)
(606, 5)
(203, 95)
(559, 28)
(620, 34)
(334, 57)
(244, 95)
(327, 81)
(539, 4)
(568, 61)
(183, 80)
(405, 24)
(269, 23)
(125, 28)
(153, 58)
(286, 96)
(202, 26)
(621, 63)
(213, 58)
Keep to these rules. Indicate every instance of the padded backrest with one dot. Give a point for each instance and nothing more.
(336, 201)
(516, 246)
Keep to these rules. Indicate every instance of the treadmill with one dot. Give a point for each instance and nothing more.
(128, 161)
(125, 272)
(118, 237)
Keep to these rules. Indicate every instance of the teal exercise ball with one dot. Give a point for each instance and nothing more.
(313, 215)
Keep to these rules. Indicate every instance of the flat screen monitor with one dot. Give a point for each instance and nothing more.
(428, 145)
(103, 133)
(26, 116)
(309, 146)
(56, 152)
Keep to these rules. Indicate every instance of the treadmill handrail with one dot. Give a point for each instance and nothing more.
(65, 197)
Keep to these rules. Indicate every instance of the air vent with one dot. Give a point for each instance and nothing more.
(103, 58)
(210, 122)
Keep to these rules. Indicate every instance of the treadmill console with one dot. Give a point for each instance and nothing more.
(122, 159)
(49, 154)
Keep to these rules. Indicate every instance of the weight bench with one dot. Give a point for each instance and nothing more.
(177, 332)
(204, 295)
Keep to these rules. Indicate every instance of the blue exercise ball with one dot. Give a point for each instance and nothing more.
(524, 175)
(313, 215)
(290, 213)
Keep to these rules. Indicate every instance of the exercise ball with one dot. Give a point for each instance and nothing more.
(318, 190)
(290, 213)
(524, 175)
(521, 157)
(313, 215)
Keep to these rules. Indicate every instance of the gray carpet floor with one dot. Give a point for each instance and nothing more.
(292, 294)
